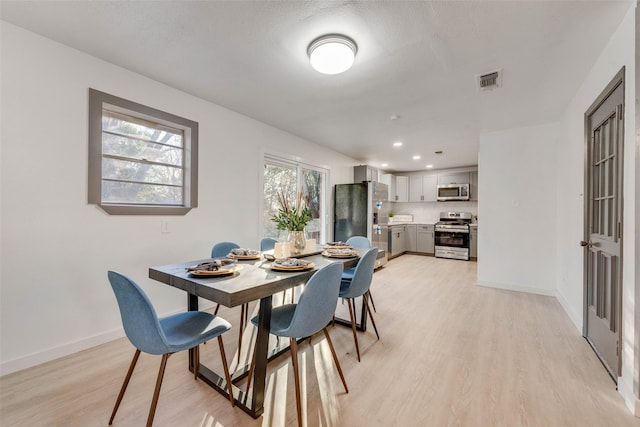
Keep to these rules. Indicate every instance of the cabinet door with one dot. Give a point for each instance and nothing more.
(473, 242)
(402, 189)
(474, 186)
(415, 188)
(430, 188)
(454, 178)
(425, 239)
(410, 238)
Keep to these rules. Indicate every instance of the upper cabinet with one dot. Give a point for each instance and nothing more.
(402, 189)
(474, 186)
(454, 178)
(398, 187)
(422, 188)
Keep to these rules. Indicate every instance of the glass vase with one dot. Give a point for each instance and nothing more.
(297, 241)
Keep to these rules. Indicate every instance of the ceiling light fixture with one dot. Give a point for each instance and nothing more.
(332, 53)
(384, 165)
(416, 157)
(429, 166)
(397, 144)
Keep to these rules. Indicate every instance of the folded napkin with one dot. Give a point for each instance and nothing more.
(213, 265)
(292, 262)
(244, 252)
(341, 251)
(337, 245)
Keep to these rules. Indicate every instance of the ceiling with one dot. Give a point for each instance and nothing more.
(417, 61)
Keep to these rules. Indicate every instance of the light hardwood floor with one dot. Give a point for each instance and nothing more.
(451, 354)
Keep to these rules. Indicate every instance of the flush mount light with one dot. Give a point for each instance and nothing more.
(416, 157)
(332, 53)
(429, 166)
(384, 165)
(397, 144)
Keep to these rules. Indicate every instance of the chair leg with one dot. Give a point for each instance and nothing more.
(226, 370)
(124, 385)
(372, 302)
(373, 322)
(156, 392)
(296, 377)
(335, 358)
(196, 361)
(352, 304)
(215, 312)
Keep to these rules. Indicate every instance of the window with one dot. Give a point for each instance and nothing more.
(142, 161)
(281, 175)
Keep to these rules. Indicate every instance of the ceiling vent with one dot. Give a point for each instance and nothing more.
(489, 81)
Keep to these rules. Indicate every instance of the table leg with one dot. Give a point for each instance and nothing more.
(262, 344)
(192, 305)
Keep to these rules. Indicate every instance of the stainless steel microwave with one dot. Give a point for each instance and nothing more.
(449, 192)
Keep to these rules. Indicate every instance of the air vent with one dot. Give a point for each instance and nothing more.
(489, 81)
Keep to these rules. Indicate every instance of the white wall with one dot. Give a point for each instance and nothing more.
(516, 172)
(56, 249)
(620, 51)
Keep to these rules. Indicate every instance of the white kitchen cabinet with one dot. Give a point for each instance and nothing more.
(402, 189)
(473, 243)
(410, 238)
(422, 188)
(396, 240)
(454, 178)
(474, 186)
(398, 187)
(425, 239)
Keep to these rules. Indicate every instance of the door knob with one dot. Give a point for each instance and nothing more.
(587, 244)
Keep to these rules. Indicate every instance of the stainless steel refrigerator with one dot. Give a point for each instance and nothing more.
(363, 210)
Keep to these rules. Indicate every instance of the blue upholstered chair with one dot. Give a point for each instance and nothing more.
(311, 314)
(183, 331)
(222, 249)
(267, 243)
(358, 286)
(360, 242)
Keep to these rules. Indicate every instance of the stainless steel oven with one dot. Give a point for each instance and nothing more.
(452, 235)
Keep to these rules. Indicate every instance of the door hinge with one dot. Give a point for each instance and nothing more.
(619, 111)
(617, 348)
(619, 230)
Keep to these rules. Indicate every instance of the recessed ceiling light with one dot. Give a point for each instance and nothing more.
(384, 165)
(397, 144)
(429, 166)
(332, 53)
(439, 152)
(416, 157)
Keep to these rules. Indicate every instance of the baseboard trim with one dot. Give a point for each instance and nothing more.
(508, 287)
(576, 318)
(625, 389)
(47, 355)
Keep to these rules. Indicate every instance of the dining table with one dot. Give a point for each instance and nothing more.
(253, 280)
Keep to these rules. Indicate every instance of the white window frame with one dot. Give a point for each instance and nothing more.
(99, 101)
(290, 161)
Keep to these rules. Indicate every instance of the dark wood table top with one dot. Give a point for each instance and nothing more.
(254, 279)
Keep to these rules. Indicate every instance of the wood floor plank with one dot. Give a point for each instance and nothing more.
(451, 353)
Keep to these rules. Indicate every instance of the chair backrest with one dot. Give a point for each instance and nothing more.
(139, 318)
(267, 243)
(317, 303)
(359, 242)
(362, 275)
(222, 249)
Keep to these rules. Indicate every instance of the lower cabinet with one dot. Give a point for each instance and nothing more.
(425, 239)
(473, 243)
(397, 240)
(410, 237)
